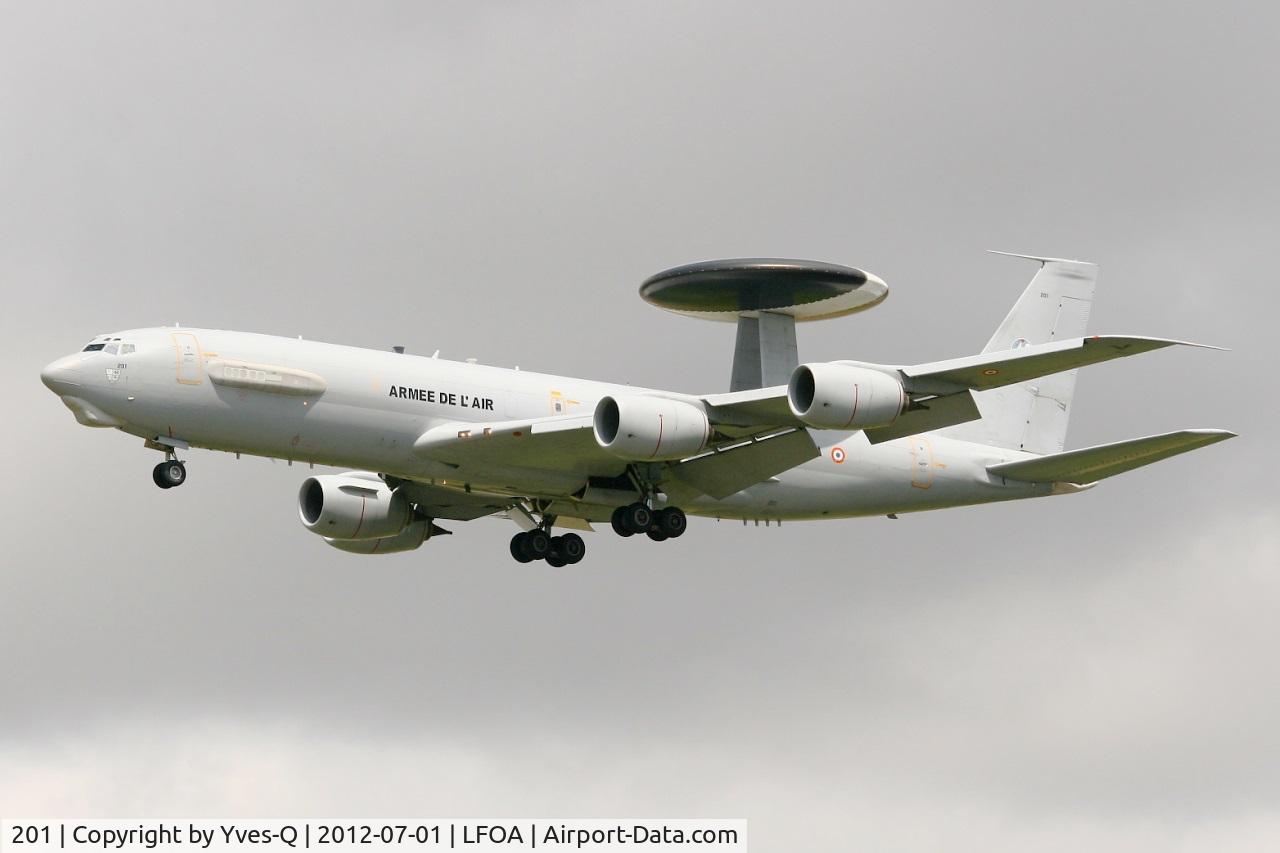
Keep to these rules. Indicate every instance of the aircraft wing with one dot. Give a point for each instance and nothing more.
(749, 412)
(566, 443)
(940, 396)
(939, 390)
(1106, 460)
(561, 442)
(995, 369)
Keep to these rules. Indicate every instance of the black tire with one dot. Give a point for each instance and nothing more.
(537, 544)
(619, 525)
(572, 548)
(637, 517)
(169, 474)
(518, 549)
(672, 521)
(656, 534)
(554, 556)
(157, 477)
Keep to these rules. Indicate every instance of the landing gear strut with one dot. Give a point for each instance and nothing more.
(539, 544)
(640, 517)
(564, 550)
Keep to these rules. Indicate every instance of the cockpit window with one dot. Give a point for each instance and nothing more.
(93, 347)
(112, 349)
(125, 349)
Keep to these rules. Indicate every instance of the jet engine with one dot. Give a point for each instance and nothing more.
(417, 532)
(650, 428)
(352, 506)
(832, 395)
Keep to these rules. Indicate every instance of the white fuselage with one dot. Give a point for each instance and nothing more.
(376, 404)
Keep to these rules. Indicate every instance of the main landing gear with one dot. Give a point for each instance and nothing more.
(658, 524)
(169, 473)
(538, 544)
(564, 550)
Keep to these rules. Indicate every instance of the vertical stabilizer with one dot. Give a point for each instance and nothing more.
(1033, 416)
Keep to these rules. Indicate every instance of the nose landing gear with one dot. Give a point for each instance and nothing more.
(169, 473)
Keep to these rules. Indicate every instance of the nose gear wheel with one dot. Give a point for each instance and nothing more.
(169, 474)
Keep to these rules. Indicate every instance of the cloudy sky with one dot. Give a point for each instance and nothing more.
(494, 180)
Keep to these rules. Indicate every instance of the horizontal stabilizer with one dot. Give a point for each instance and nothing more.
(726, 472)
(1106, 460)
(1007, 367)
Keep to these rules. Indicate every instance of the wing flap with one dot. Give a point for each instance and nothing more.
(928, 415)
(729, 471)
(996, 369)
(453, 504)
(1106, 460)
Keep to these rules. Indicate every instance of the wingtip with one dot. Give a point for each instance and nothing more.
(1198, 345)
(1160, 342)
(1212, 435)
(1202, 346)
(1041, 259)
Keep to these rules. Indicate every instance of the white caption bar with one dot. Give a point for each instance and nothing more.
(349, 836)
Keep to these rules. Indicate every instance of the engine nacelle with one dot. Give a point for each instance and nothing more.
(650, 428)
(831, 395)
(352, 506)
(411, 537)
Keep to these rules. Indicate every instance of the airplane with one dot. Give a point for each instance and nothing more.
(431, 440)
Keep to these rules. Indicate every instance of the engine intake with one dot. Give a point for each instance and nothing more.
(650, 428)
(831, 395)
(354, 506)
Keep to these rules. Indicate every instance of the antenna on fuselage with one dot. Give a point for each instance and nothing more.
(398, 349)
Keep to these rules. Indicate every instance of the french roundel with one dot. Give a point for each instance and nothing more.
(837, 455)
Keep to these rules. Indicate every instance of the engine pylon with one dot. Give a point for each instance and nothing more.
(766, 297)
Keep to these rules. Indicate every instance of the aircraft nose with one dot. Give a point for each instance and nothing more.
(62, 376)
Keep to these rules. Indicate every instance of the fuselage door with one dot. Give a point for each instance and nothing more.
(921, 462)
(190, 364)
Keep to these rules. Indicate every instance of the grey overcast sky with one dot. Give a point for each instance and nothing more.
(1090, 672)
